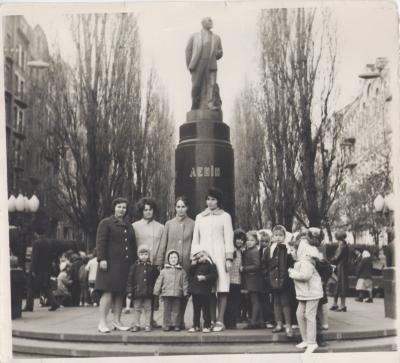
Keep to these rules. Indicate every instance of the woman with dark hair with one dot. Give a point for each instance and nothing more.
(148, 232)
(116, 252)
(178, 235)
(213, 233)
(340, 260)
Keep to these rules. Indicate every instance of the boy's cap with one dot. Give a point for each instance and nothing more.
(143, 248)
(196, 250)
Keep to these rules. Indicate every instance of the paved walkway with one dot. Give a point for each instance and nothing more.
(361, 317)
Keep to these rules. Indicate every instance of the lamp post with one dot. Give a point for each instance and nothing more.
(19, 208)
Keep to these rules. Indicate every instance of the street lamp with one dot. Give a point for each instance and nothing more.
(20, 207)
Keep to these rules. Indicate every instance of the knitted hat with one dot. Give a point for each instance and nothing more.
(196, 249)
(170, 252)
(279, 227)
(143, 248)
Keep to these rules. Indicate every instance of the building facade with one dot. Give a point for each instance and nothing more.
(367, 134)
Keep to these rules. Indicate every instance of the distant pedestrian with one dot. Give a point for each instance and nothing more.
(40, 271)
(75, 289)
(172, 286)
(64, 282)
(340, 260)
(364, 277)
(308, 286)
(253, 279)
(91, 268)
(234, 303)
(202, 277)
(84, 283)
(116, 252)
(275, 264)
(141, 280)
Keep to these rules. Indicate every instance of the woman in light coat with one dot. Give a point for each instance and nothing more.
(178, 235)
(213, 233)
(308, 286)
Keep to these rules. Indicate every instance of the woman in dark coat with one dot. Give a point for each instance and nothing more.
(340, 260)
(178, 235)
(116, 252)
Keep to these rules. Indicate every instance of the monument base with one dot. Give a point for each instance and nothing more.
(204, 159)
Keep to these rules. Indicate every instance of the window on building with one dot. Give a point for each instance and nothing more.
(21, 121)
(369, 90)
(16, 84)
(21, 89)
(15, 121)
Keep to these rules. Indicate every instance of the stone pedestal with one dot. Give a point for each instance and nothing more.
(389, 287)
(204, 159)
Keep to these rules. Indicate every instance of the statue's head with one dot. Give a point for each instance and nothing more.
(207, 23)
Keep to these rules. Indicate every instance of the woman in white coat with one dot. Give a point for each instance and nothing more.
(213, 232)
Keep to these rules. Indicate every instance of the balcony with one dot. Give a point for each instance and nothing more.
(19, 99)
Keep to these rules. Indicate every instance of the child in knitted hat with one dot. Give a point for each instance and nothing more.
(275, 263)
(172, 286)
(141, 279)
(202, 277)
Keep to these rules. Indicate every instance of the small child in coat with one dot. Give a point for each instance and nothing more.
(141, 279)
(172, 286)
(235, 296)
(253, 280)
(275, 263)
(308, 286)
(202, 277)
(364, 277)
(84, 283)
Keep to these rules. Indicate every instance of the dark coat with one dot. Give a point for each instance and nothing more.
(340, 259)
(252, 275)
(41, 258)
(141, 279)
(209, 270)
(364, 268)
(116, 244)
(275, 268)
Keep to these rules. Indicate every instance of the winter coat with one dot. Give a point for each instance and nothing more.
(41, 258)
(91, 268)
(251, 267)
(235, 276)
(149, 233)
(83, 276)
(141, 279)
(307, 280)
(340, 259)
(172, 282)
(364, 268)
(213, 233)
(115, 244)
(275, 268)
(177, 235)
(207, 269)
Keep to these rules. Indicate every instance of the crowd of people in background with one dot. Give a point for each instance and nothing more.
(271, 279)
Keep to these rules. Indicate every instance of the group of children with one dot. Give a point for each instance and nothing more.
(276, 277)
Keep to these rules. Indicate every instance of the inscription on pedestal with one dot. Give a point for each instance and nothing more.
(205, 171)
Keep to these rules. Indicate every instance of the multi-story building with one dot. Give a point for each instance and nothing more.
(367, 130)
(31, 168)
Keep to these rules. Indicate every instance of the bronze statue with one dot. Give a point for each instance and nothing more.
(202, 52)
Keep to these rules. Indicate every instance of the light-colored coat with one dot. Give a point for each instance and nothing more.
(172, 282)
(148, 233)
(307, 281)
(213, 233)
(194, 47)
(177, 235)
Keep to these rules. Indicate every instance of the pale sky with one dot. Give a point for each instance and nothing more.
(366, 31)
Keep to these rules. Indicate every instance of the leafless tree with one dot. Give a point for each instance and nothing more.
(111, 132)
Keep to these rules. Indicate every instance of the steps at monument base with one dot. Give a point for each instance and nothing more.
(228, 337)
(47, 348)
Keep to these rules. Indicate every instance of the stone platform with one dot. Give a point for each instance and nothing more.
(72, 332)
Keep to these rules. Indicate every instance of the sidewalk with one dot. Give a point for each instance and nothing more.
(360, 317)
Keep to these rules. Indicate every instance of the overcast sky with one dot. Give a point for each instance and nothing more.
(365, 31)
